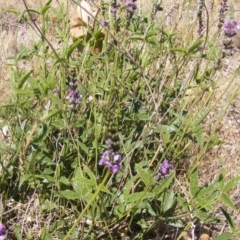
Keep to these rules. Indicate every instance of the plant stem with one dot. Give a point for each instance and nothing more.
(87, 206)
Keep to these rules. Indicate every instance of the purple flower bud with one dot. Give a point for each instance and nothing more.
(108, 164)
(113, 10)
(115, 168)
(131, 5)
(231, 27)
(104, 22)
(73, 96)
(111, 160)
(117, 158)
(2, 230)
(164, 169)
(109, 143)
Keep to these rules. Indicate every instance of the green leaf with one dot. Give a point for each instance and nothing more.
(200, 117)
(59, 124)
(204, 203)
(194, 182)
(227, 201)
(47, 205)
(90, 174)
(207, 190)
(83, 147)
(144, 175)
(17, 231)
(21, 16)
(41, 134)
(163, 184)
(28, 236)
(64, 180)
(136, 37)
(168, 201)
(128, 186)
(51, 114)
(139, 196)
(203, 216)
(181, 50)
(23, 79)
(55, 99)
(46, 7)
(170, 129)
(15, 11)
(224, 236)
(229, 220)
(119, 210)
(80, 187)
(231, 184)
(194, 47)
(73, 46)
(70, 195)
(142, 115)
(198, 133)
(221, 180)
(44, 235)
(83, 180)
(25, 92)
(46, 178)
(150, 34)
(24, 178)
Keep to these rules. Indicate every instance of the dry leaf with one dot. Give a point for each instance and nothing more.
(81, 21)
(85, 13)
(77, 29)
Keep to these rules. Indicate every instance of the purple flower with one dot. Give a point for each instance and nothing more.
(104, 22)
(113, 10)
(109, 143)
(111, 160)
(223, 7)
(117, 158)
(115, 168)
(131, 5)
(105, 157)
(2, 231)
(73, 95)
(231, 27)
(164, 169)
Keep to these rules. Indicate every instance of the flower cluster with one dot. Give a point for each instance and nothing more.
(223, 9)
(73, 96)
(111, 157)
(200, 19)
(111, 160)
(164, 169)
(131, 5)
(3, 232)
(104, 22)
(114, 8)
(231, 27)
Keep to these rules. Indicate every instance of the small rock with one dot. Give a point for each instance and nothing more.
(204, 236)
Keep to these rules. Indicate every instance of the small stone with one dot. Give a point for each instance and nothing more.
(204, 236)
